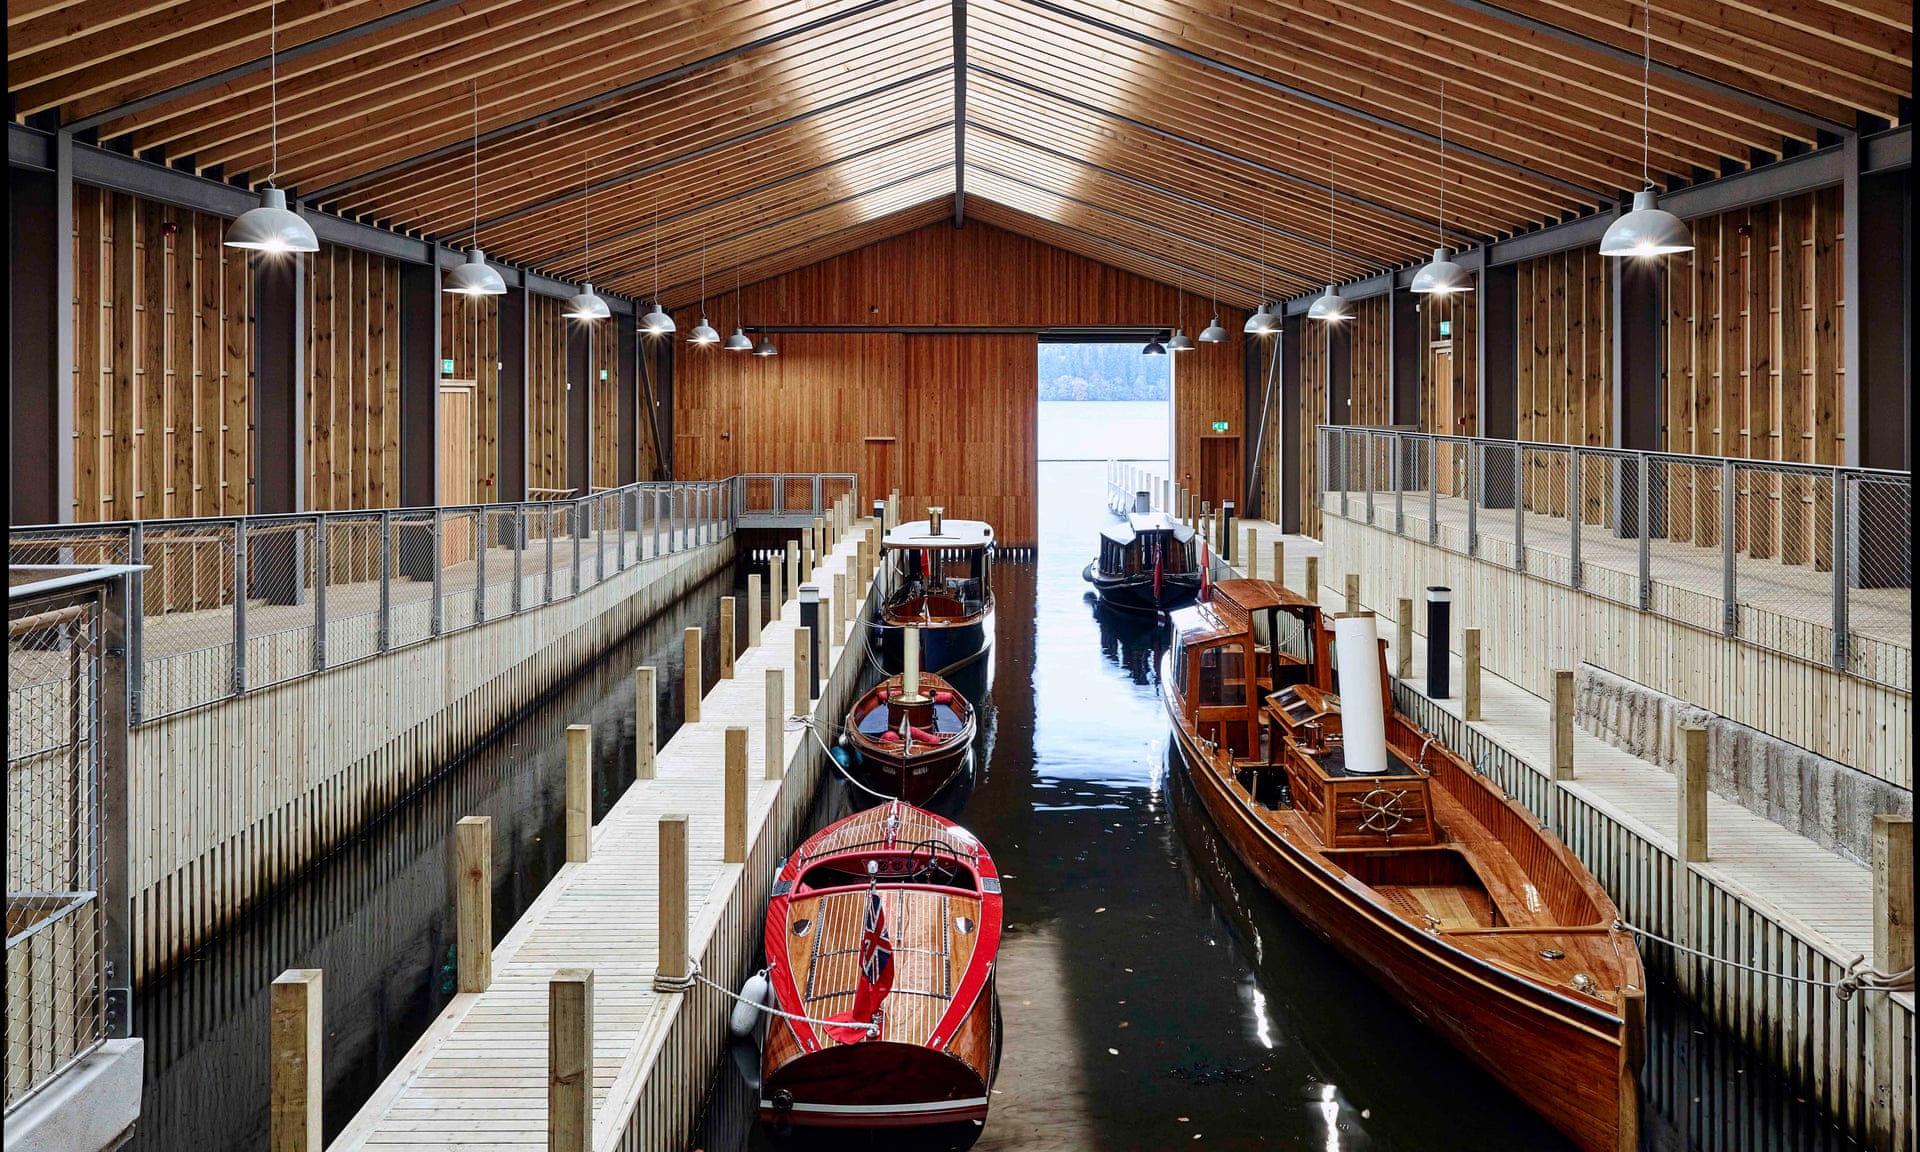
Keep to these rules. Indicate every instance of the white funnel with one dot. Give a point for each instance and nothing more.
(910, 657)
(1143, 501)
(1363, 717)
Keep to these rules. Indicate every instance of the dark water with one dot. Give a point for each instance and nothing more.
(376, 916)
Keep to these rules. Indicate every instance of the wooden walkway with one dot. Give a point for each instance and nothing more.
(478, 1077)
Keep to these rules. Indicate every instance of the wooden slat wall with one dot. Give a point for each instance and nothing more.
(163, 362)
(605, 420)
(1563, 368)
(1460, 312)
(1313, 412)
(884, 404)
(470, 337)
(1369, 333)
(353, 380)
(546, 393)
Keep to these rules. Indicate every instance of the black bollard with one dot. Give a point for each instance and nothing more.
(1439, 611)
(810, 620)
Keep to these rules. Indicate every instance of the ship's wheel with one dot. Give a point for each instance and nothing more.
(1382, 810)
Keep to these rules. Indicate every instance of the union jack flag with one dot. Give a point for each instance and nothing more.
(876, 973)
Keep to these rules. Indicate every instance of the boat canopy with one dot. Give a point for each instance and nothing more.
(1140, 523)
(953, 534)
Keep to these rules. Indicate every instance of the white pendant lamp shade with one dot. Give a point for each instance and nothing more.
(1259, 324)
(1329, 306)
(656, 320)
(1648, 230)
(738, 342)
(703, 333)
(272, 227)
(1213, 333)
(477, 278)
(1181, 342)
(765, 348)
(587, 305)
(1441, 276)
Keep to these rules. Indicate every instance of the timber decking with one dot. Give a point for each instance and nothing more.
(478, 1077)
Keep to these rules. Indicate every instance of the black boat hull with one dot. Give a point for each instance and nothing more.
(1135, 593)
(943, 650)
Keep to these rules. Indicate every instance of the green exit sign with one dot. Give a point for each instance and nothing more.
(1219, 425)
(446, 367)
(1446, 327)
(603, 373)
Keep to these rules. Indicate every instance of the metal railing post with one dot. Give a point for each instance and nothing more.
(1575, 514)
(480, 567)
(239, 605)
(383, 636)
(1396, 460)
(436, 622)
(136, 617)
(1842, 561)
(600, 542)
(120, 610)
(519, 551)
(574, 516)
(1366, 469)
(546, 516)
(320, 593)
(1519, 512)
(1729, 519)
(1346, 472)
(1645, 466)
(1433, 490)
(1468, 473)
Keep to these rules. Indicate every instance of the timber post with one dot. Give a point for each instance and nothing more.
(473, 903)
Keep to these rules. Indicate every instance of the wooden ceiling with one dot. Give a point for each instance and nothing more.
(1198, 141)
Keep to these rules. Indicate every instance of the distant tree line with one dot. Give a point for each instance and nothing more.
(1103, 372)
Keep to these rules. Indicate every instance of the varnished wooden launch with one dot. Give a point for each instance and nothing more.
(938, 575)
(932, 1055)
(1148, 563)
(1443, 888)
(910, 745)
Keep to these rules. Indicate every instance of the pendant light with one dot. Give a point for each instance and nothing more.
(765, 347)
(1329, 307)
(1181, 342)
(1154, 347)
(271, 227)
(703, 333)
(1648, 230)
(656, 320)
(476, 277)
(737, 342)
(1213, 333)
(1261, 321)
(1441, 276)
(586, 305)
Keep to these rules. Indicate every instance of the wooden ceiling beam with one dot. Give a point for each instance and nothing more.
(74, 21)
(959, 113)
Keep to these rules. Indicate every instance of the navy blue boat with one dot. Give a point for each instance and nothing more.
(1149, 563)
(937, 574)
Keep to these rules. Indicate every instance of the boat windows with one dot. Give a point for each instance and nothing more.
(1223, 677)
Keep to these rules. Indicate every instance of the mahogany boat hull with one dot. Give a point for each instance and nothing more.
(944, 647)
(916, 780)
(1573, 1062)
(1136, 594)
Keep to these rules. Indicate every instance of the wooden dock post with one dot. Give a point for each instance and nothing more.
(1403, 640)
(840, 605)
(1280, 563)
(776, 723)
(580, 793)
(690, 679)
(1892, 893)
(1470, 655)
(672, 965)
(1311, 584)
(793, 570)
(473, 903)
(819, 549)
(570, 1060)
(1252, 555)
(646, 728)
(1353, 591)
(753, 609)
(733, 844)
(293, 1062)
(802, 670)
(726, 637)
(1563, 724)
(776, 587)
(1690, 835)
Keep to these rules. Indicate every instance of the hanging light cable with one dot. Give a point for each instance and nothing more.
(1329, 307)
(586, 305)
(1213, 333)
(1261, 321)
(1181, 342)
(656, 320)
(1648, 230)
(738, 342)
(272, 227)
(703, 333)
(476, 277)
(1441, 276)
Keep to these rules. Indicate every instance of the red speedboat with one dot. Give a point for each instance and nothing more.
(881, 934)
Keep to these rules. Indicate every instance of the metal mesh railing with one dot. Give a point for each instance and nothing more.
(60, 688)
(1812, 562)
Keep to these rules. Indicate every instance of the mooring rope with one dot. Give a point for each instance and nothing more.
(1860, 977)
(694, 976)
(810, 724)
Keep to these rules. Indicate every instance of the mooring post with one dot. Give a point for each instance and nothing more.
(1252, 554)
(1562, 723)
(579, 793)
(819, 556)
(1690, 836)
(776, 723)
(1280, 563)
(841, 606)
(1311, 583)
(672, 965)
(690, 679)
(793, 570)
(733, 847)
(646, 730)
(1892, 893)
(570, 1060)
(293, 1062)
(776, 588)
(726, 637)
(1353, 592)
(802, 671)
(1470, 656)
(753, 609)
(1403, 640)
(473, 902)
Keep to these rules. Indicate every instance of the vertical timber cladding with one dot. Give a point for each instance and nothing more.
(546, 393)
(1450, 406)
(352, 389)
(162, 364)
(604, 421)
(470, 337)
(920, 410)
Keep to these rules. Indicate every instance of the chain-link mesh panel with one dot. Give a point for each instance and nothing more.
(189, 613)
(460, 568)
(351, 626)
(412, 564)
(1545, 526)
(1609, 536)
(1782, 595)
(1415, 463)
(796, 494)
(71, 545)
(56, 953)
(757, 495)
(280, 618)
(1686, 579)
(1879, 605)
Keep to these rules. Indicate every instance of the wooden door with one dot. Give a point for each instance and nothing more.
(1220, 470)
(456, 468)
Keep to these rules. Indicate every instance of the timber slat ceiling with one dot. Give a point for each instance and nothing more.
(1193, 141)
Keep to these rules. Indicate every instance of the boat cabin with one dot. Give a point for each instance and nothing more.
(1144, 540)
(937, 570)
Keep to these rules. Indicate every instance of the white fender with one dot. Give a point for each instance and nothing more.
(746, 1010)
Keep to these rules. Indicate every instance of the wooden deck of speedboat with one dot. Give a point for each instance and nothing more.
(918, 763)
(1442, 888)
(934, 1059)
